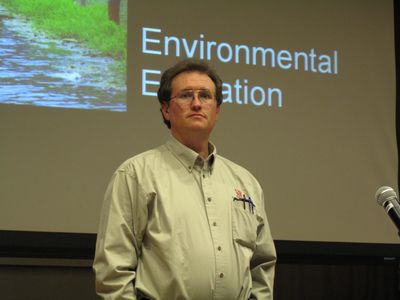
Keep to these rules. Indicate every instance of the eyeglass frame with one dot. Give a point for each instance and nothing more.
(194, 93)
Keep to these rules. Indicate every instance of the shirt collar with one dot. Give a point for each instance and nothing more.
(187, 156)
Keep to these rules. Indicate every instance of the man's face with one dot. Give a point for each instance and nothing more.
(191, 116)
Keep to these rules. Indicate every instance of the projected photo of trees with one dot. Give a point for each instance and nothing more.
(63, 53)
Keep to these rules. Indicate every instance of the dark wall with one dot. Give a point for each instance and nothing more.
(46, 283)
(341, 280)
(298, 280)
(58, 266)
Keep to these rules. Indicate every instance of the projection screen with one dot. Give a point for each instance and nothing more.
(309, 109)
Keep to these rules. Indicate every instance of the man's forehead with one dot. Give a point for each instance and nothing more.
(192, 79)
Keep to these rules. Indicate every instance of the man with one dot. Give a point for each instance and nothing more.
(180, 221)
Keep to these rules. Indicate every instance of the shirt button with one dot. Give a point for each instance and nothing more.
(221, 275)
(215, 223)
(219, 248)
(209, 199)
(204, 175)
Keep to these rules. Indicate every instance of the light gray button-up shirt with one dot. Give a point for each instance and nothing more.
(176, 226)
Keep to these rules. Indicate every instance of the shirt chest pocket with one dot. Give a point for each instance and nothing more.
(244, 226)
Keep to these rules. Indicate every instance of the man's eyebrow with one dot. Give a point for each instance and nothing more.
(195, 89)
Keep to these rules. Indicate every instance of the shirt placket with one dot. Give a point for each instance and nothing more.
(214, 224)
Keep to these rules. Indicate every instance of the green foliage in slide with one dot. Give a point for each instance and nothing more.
(67, 19)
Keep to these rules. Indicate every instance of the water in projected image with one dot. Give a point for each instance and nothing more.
(41, 71)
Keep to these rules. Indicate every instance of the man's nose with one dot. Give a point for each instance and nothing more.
(196, 102)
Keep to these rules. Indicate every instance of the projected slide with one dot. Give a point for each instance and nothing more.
(71, 56)
(309, 105)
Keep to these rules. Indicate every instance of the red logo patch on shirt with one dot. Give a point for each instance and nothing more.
(238, 193)
(247, 202)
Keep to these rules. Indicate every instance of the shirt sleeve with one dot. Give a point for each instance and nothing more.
(263, 261)
(119, 239)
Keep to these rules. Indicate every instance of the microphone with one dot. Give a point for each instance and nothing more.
(387, 197)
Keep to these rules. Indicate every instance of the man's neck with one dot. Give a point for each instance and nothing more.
(197, 143)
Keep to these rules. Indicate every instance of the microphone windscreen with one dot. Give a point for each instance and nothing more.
(384, 193)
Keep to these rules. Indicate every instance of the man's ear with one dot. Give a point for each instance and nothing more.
(164, 110)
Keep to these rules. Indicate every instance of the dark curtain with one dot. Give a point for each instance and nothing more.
(337, 281)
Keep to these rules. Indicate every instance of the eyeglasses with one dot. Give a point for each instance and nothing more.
(186, 96)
